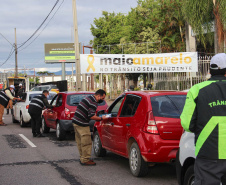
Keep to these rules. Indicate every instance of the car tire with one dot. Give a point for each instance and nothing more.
(44, 127)
(99, 151)
(22, 123)
(138, 167)
(60, 133)
(189, 176)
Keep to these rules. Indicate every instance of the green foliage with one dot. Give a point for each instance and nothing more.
(148, 22)
(44, 73)
(31, 79)
(150, 43)
(108, 30)
(200, 15)
(136, 89)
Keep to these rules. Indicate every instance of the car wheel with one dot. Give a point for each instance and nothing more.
(60, 133)
(22, 123)
(189, 178)
(99, 151)
(44, 127)
(138, 166)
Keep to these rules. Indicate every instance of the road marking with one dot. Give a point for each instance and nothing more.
(27, 140)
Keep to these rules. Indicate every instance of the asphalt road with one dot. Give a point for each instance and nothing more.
(46, 161)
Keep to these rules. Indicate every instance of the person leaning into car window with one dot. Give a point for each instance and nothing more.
(204, 114)
(5, 96)
(84, 113)
(35, 110)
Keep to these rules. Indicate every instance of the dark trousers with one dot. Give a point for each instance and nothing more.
(36, 122)
(210, 172)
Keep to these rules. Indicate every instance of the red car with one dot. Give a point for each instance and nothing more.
(144, 127)
(60, 116)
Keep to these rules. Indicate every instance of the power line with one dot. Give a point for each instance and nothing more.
(13, 46)
(10, 54)
(6, 39)
(44, 27)
(39, 26)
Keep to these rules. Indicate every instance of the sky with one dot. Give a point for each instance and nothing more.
(27, 15)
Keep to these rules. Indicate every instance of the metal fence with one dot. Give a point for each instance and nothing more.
(182, 81)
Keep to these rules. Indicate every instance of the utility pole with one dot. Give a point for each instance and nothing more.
(76, 41)
(16, 65)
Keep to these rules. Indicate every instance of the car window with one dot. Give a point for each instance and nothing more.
(178, 101)
(114, 108)
(32, 96)
(130, 105)
(51, 95)
(45, 88)
(53, 102)
(74, 99)
(168, 106)
(54, 87)
(35, 89)
(59, 101)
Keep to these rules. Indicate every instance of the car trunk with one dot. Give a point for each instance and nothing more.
(169, 128)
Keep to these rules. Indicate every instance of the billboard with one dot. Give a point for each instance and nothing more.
(59, 52)
(139, 63)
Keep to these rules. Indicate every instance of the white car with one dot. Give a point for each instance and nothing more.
(185, 159)
(20, 109)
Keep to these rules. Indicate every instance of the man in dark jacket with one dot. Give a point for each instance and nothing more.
(5, 96)
(35, 110)
(204, 114)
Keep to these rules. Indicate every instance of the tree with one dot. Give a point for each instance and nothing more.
(44, 73)
(35, 80)
(201, 15)
(141, 30)
(108, 30)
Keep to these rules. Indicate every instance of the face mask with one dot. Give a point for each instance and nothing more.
(47, 97)
(100, 101)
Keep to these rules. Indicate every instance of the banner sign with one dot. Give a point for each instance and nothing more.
(60, 52)
(139, 63)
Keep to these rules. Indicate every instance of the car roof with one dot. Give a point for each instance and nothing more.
(76, 92)
(156, 92)
(38, 92)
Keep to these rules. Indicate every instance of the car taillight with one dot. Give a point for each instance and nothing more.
(151, 126)
(67, 112)
(27, 106)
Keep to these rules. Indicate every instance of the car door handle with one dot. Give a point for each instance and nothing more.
(112, 123)
(127, 124)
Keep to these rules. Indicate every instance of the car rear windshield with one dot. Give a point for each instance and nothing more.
(168, 106)
(32, 96)
(51, 95)
(54, 87)
(74, 99)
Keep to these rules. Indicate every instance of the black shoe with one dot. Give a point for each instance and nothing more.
(40, 135)
(34, 135)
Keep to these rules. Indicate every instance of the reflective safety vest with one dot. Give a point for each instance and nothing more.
(4, 99)
(36, 105)
(204, 114)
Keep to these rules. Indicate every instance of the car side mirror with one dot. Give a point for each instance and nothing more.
(100, 112)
